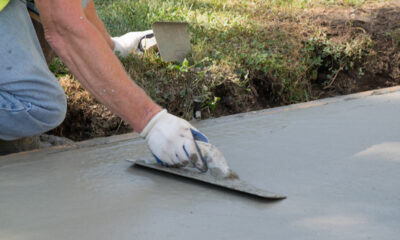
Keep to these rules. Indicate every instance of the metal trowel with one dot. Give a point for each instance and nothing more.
(214, 171)
(173, 40)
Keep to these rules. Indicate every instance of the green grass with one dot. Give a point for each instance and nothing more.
(226, 36)
(240, 41)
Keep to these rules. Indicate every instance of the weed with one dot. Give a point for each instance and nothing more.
(58, 68)
(211, 104)
(184, 67)
(332, 58)
(395, 36)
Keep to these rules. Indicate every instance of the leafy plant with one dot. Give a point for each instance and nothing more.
(212, 103)
(333, 58)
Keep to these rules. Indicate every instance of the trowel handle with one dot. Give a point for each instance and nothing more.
(198, 136)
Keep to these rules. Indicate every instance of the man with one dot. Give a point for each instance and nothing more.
(32, 101)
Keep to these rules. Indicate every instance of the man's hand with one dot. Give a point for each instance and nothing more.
(171, 140)
(130, 42)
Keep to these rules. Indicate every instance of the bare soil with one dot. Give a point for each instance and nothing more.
(86, 118)
(382, 23)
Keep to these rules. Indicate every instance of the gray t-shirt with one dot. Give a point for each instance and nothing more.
(31, 4)
(84, 3)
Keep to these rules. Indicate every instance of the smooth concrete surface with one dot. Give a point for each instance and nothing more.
(337, 160)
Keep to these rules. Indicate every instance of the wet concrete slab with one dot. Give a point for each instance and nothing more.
(337, 160)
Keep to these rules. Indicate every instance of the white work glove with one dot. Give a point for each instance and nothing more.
(172, 141)
(130, 42)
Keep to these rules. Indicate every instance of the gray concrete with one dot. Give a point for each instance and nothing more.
(337, 160)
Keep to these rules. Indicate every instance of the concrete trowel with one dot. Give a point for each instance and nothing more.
(214, 170)
(173, 43)
(173, 40)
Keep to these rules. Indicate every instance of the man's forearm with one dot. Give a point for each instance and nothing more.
(91, 14)
(89, 57)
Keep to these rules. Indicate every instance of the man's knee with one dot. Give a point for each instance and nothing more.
(51, 112)
(31, 99)
(54, 111)
(20, 118)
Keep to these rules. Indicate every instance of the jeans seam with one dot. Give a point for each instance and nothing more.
(26, 108)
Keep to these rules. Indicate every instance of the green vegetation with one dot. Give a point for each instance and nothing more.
(252, 44)
(395, 37)
(334, 58)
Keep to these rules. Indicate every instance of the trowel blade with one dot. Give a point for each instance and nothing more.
(231, 184)
(173, 40)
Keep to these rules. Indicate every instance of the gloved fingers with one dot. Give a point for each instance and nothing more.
(183, 160)
(136, 35)
(173, 141)
(171, 163)
(159, 161)
(130, 42)
(198, 136)
(147, 33)
(172, 160)
(179, 164)
(191, 153)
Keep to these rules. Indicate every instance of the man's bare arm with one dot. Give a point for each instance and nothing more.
(91, 14)
(89, 57)
(85, 51)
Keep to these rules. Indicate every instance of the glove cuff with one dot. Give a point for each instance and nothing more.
(152, 123)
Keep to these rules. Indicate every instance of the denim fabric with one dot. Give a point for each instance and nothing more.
(31, 99)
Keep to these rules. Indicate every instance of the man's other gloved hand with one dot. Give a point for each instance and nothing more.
(171, 140)
(131, 42)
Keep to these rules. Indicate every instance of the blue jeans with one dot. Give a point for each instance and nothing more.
(31, 99)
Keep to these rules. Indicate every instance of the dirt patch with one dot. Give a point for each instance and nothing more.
(232, 93)
(382, 69)
(86, 118)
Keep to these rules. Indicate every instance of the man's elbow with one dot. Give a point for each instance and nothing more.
(58, 31)
(54, 33)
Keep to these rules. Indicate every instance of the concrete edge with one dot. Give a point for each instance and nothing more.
(133, 136)
(22, 157)
(310, 104)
